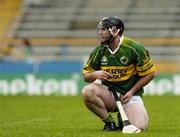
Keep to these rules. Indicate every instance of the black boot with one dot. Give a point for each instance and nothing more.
(109, 126)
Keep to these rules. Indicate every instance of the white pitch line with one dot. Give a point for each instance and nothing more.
(25, 122)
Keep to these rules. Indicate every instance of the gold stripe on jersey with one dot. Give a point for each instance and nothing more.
(120, 73)
(146, 68)
(147, 71)
(87, 69)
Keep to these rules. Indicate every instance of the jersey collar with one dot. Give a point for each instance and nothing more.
(120, 42)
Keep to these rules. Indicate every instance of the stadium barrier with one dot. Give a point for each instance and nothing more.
(41, 67)
(65, 78)
(72, 83)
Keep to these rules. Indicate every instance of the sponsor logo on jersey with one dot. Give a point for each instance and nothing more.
(120, 73)
(124, 60)
(104, 60)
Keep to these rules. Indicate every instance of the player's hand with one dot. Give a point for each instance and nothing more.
(126, 97)
(102, 75)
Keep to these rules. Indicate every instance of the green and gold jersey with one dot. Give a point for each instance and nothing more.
(127, 65)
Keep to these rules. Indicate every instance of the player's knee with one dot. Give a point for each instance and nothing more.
(88, 92)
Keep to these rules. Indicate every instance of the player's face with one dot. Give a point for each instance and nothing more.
(104, 35)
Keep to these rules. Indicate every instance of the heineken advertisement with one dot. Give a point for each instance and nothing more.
(41, 84)
(72, 84)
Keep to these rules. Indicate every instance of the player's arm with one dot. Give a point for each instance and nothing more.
(92, 69)
(141, 83)
(92, 76)
(146, 71)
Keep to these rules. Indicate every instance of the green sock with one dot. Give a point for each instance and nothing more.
(108, 119)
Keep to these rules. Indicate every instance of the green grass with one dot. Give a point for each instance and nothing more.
(52, 116)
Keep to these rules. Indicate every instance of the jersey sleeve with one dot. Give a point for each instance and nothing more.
(144, 62)
(93, 62)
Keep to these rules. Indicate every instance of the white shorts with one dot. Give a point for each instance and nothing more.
(134, 99)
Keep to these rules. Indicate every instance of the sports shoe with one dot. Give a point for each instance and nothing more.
(120, 123)
(109, 126)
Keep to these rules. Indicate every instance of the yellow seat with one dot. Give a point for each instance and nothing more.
(8, 11)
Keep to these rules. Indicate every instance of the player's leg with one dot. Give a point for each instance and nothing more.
(137, 114)
(100, 101)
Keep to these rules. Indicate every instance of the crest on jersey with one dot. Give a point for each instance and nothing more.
(124, 60)
(104, 60)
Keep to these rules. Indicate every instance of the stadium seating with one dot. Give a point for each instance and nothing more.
(8, 10)
(79, 19)
(51, 24)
